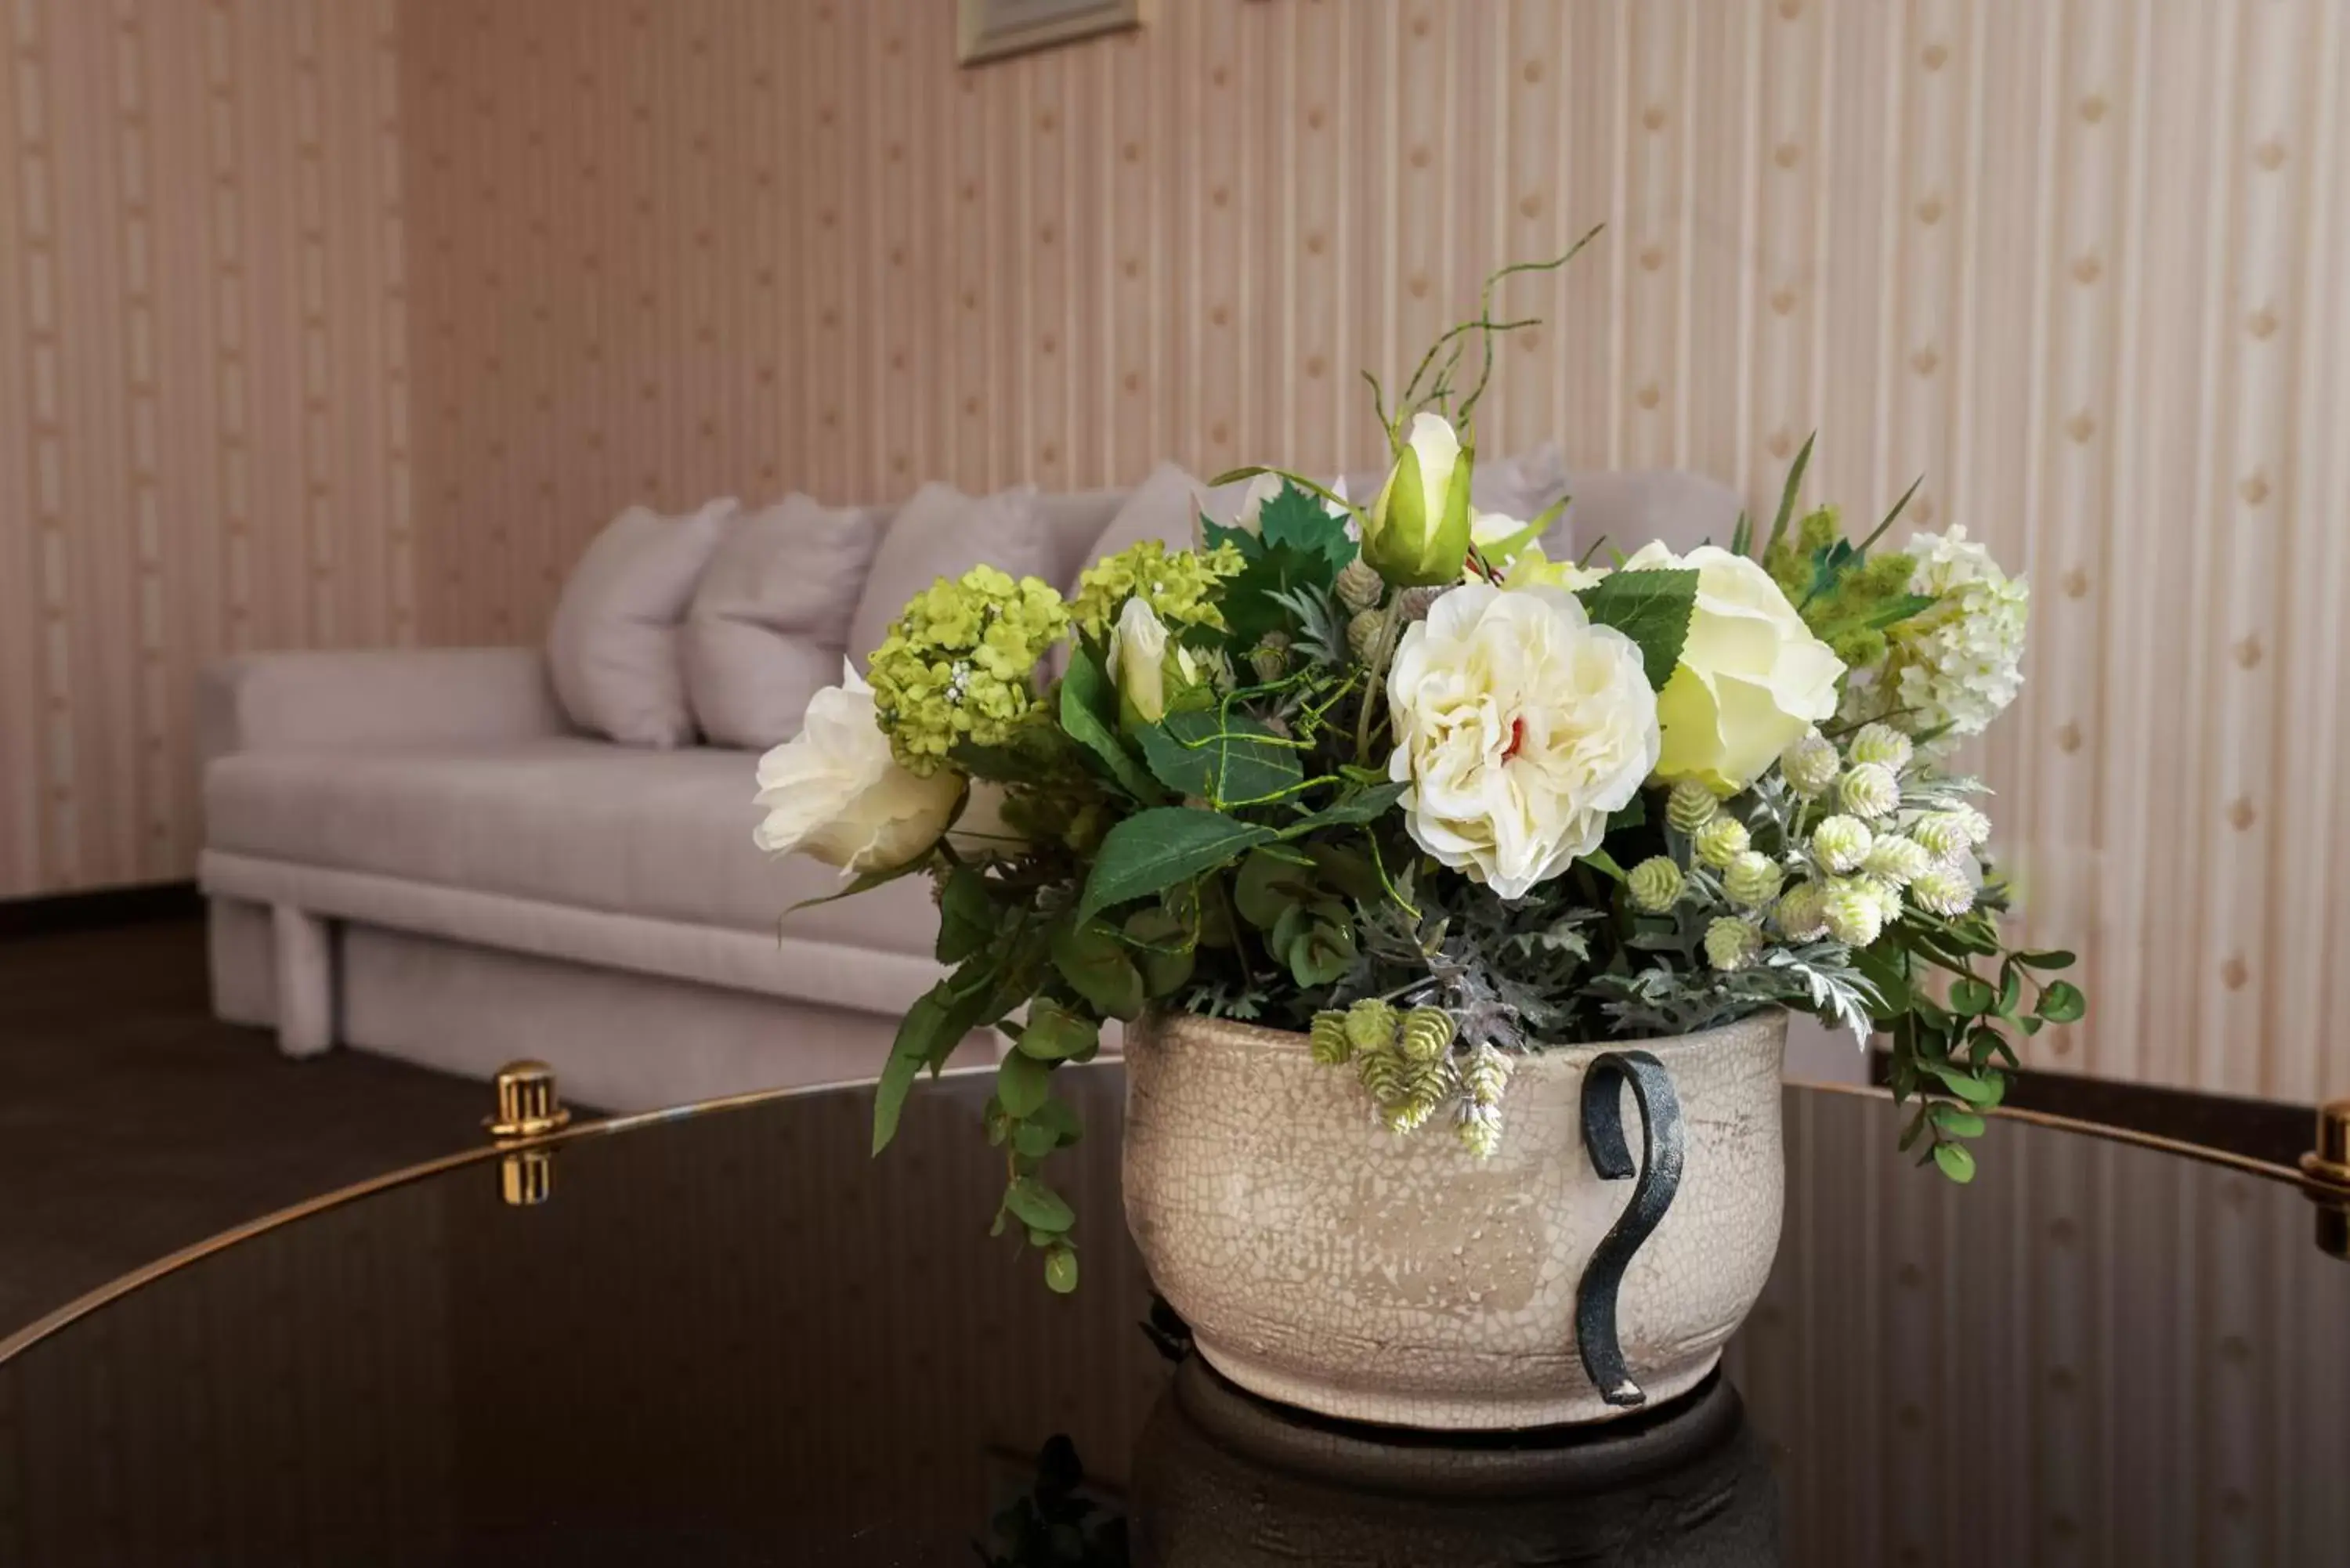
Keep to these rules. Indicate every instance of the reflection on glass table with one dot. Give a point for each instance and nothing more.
(729, 1336)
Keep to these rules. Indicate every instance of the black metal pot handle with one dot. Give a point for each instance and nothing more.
(1662, 1146)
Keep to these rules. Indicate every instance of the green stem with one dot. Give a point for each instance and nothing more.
(1381, 652)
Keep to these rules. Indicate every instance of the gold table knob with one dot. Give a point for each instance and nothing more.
(527, 1104)
(2329, 1162)
(528, 1108)
(2327, 1166)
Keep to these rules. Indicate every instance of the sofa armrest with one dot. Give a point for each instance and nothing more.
(373, 697)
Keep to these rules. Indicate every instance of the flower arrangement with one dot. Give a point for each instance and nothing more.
(1389, 775)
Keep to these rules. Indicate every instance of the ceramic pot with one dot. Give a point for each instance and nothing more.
(1593, 1266)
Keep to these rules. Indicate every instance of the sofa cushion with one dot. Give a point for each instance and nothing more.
(1073, 524)
(770, 621)
(612, 646)
(569, 821)
(940, 532)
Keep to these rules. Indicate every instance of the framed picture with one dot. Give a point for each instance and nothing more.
(992, 29)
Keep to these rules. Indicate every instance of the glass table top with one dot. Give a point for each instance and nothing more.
(731, 1336)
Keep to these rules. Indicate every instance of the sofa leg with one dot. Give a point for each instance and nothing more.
(305, 981)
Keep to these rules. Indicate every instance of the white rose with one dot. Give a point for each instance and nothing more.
(834, 791)
(1138, 659)
(1751, 680)
(1520, 726)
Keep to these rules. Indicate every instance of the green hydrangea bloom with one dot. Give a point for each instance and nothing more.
(956, 665)
(1180, 587)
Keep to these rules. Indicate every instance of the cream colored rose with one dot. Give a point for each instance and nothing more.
(1520, 726)
(833, 792)
(1752, 678)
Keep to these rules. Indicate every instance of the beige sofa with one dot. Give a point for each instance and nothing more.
(411, 852)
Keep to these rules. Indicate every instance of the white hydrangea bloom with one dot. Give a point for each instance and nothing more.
(1957, 665)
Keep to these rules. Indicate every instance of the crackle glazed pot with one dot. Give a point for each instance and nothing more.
(1593, 1266)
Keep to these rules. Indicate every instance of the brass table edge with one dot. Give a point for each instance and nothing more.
(51, 1322)
(2107, 1130)
(81, 1306)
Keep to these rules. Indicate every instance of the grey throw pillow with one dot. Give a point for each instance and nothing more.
(770, 621)
(612, 649)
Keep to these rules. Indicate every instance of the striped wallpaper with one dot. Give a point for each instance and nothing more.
(2070, 261)
(203, 410)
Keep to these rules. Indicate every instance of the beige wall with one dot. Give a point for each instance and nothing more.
(2070, 261)
(201, 401)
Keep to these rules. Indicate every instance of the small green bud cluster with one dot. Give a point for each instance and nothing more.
(1811, 765)
(1654, 885)
(1731, 943)
(1751, 879)
(1359, 586)
(1721, 841)
(1691, 806)
(1477, 1118)
(1404, 1060)
(1270, 657)
(1870, 789)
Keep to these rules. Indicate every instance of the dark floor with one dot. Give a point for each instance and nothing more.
(131, 1124)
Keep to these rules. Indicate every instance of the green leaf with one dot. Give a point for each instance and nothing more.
(1599, 860)
(1898, 508)
(1895, 610)
(1058, 1117)
(1959, 1082)
(966, 916)
(1363, 806)
(1086, 699)
(1021, 1082)
(1742, 534)
(1094, 961)
(1268, 886)
(1652, 608)
(1956, 1162)
(1633, 813)
(2051, 959)
(865, 884)
(1252, 600)
(1787, 492)
(927, 1035)
(1298, 520)
(2062, 1002)
(1166, 951)
(1956, 1121)
(1914, 1131)
(1053, 1033)
(1885, 967)
(1061, 1270)
(1971, 998)
(1035, 1205)
(1229, 763)
(2011, 989)
(1153, 850)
